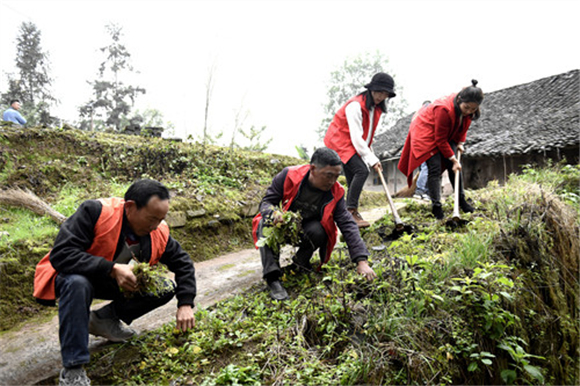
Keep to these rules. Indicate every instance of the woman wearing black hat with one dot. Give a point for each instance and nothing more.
(351, 134)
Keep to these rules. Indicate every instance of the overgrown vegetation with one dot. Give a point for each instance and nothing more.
(65, 167)
(494, 302)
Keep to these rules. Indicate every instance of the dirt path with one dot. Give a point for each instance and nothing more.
(32, 353)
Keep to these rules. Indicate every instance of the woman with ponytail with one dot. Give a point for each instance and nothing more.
(351, 134)
(436, 133)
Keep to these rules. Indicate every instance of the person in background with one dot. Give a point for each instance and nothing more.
(437, 132)
(422, 191)
(91, 259)
(313, 191)
(12, 115)
(351, 134)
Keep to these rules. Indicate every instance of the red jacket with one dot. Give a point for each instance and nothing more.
(106, 236)
(431, 130)
(292, 183)
(337, 136)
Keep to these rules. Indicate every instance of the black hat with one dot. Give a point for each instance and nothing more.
(382, 82)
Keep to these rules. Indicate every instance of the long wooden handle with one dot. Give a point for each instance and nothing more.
(398, 222)
(456, 193)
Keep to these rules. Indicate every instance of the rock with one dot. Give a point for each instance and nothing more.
(249, 209)
(195, 213)
(176, 219)
(213, 224)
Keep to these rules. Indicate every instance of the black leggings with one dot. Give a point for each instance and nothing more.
(356, 173)
(434, 177)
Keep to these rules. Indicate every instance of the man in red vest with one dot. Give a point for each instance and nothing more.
(91, 259)
(313, 191)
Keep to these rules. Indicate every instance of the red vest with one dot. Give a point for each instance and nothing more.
(107, 231)
(421, 143)
(291, 186)
(337, 136)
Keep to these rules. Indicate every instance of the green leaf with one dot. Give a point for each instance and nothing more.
(472, 366)
(506, 295)
(508, 376)
(486, 362)
(534, 372)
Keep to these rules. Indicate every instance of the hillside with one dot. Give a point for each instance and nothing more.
(495, 301)
(492, 302)
(214, 191)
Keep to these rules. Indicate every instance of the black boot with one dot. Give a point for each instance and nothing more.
(277, 291)
(464, 205)
(437, 211)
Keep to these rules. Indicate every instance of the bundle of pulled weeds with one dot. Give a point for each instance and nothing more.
(150, 280)
(26, 199)
(286, 232)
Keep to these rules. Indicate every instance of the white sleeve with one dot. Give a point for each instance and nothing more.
(354, 118)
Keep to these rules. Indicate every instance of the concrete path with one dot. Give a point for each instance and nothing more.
(32, 353)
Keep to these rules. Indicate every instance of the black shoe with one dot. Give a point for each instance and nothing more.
(277, 292)
(437, 211)
(464, 205)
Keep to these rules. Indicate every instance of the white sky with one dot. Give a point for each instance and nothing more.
(274, 57)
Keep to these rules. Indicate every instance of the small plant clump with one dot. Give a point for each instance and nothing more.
(286, 232)
(150, 280)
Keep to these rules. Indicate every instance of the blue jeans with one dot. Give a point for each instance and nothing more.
(76, 293)
(422, 180)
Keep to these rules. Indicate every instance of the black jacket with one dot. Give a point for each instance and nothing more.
(76, 236)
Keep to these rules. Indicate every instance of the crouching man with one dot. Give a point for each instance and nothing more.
(313, 191)
(90, 260)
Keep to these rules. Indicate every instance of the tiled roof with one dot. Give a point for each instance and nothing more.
(531, 117)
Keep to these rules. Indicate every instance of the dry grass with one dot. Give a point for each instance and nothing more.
(27, 199)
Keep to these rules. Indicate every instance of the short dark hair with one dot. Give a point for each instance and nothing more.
(141, 192)
(324, 156)
(14, 100)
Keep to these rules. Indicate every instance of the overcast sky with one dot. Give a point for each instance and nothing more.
(273, 58)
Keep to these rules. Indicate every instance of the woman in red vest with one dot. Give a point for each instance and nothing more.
(351, 134)
(436, 133)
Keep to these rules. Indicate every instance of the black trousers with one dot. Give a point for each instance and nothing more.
(434, 177)
(314, 237)
(356, 173)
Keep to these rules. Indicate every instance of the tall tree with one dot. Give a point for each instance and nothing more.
(32, 86)
(112, 99)
(349, 80)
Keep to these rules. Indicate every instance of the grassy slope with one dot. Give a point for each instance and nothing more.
(65, 167)
(494, 302)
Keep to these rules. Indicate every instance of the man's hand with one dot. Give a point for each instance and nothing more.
(124, 276)
(378, 167)
(364, 269)
(460, 148)
(185, 318)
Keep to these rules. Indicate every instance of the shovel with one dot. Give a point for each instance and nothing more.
(400, 227)
(456, 220)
